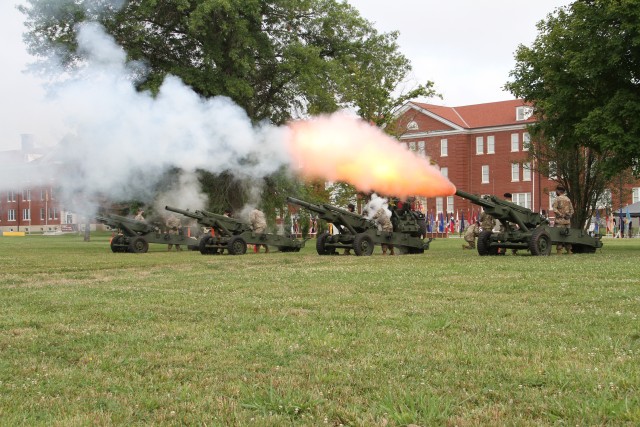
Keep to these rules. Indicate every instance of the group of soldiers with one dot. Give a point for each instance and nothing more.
(172, 224)
(562, 207)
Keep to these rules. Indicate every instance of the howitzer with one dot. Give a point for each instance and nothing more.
(524, 229)
(134, 236)
(233, 234)
(361, 234)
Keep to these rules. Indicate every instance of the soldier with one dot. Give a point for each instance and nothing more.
(470, 235)
(173, 226)
(258, 225)
(563, 209)
(384, 221)
(487, 222)
(139, 216)
(351, 208)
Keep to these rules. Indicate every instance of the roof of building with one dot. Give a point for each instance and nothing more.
(501, 113)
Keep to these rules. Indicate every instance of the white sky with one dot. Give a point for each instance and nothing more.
(465, 46)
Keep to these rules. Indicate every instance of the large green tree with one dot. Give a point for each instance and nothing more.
(278, 59)
(582, 76)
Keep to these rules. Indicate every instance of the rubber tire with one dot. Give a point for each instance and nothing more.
(202, 246)
(363, 245)
(540, 243)
(484, 241)
(237, 246)
(138, 245)
(116, 244)
(320, 242)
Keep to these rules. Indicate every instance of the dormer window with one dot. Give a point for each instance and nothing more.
(412, 125)
(524, 112)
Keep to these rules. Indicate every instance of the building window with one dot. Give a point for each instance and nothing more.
(412, 125)
(553, 173)
(421, 149)
(635, 195)
(444, 149)
(526, 171)
(450, 204)
(515, 142)
(26, 214)
(42, 213)
(11, 215)
(523, 112)
(526, 141)
(439, 204)
(412, 146)
(552, 198)
(491, 144)
(53, 213)
(522, 199)
(479, 145)
(444, 172)
(485, 174)
(43, 195)
(515, 172)
(11, 196)
(26, 194)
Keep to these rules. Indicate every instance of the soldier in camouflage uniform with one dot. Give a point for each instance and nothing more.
(258, 225)
(563, 210)
(470, 235)
(384, 221)
(139, 216)
(173, 226)
(487, 222)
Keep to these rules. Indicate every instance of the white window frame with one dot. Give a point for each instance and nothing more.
(522, 199)
(26, 194)
(526, 141)
(412, 125)
(11, 215)
(526, 171)
(515, 172)
(42, 214)
(26, 214)
(422, 149)
(635, 194)
(552, 198)
(491, 144)
(515, 142)
(11, 196)
(445, 172)
(450, 207)
(439, 204)
(444, 148)
(553, 170)
(43, 195)
(412, 146)
(479, 145)
(485, 178)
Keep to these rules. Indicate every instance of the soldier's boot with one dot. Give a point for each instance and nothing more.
(569, 250)
(384, 250)
(559, 250)
(266, 249)
(391, 252)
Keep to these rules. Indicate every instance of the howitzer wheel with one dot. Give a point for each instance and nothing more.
(363, 245)
(117, 244)
(138, 245)
(320, 245)
(484, 244)
(202, 246)
(237, 246)
(540, 243)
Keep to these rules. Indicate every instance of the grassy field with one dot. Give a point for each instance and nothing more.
(89, 337)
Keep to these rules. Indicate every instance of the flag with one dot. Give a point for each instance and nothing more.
(441, 224)
(462, 222)
(596, 229)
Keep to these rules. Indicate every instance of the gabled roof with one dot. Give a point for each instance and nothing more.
(502, 113)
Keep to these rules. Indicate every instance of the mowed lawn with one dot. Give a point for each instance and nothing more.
(89, 337)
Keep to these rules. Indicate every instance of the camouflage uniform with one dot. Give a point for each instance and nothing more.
(487, 222)
(139, 216)
(173, 225)
(384, 221)
(470, 235)
(563, 210)
(258, 225)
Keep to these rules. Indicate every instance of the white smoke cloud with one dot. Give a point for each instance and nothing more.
(375, 204)
(122, 141)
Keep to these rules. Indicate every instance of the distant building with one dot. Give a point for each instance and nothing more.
(31, 207)
(482, 149)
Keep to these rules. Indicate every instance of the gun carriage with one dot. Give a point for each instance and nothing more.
(361, 234)
(233, 235)
(134, 236)
(525, 229)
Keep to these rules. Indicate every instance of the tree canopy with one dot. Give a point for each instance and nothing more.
(274, 58)
(582, 75)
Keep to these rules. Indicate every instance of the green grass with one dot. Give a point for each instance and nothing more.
(88, 337)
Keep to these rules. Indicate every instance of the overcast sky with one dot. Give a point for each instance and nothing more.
(465, 47)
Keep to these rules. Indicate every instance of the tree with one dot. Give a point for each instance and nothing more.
(277, 59)
(582, 76)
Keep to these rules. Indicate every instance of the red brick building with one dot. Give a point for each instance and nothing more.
(481, 148)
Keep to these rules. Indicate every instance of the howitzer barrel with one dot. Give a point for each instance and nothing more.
(188, 213)
(311, 206)
(475, 199)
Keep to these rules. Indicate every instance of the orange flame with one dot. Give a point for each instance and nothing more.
(344, 148)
